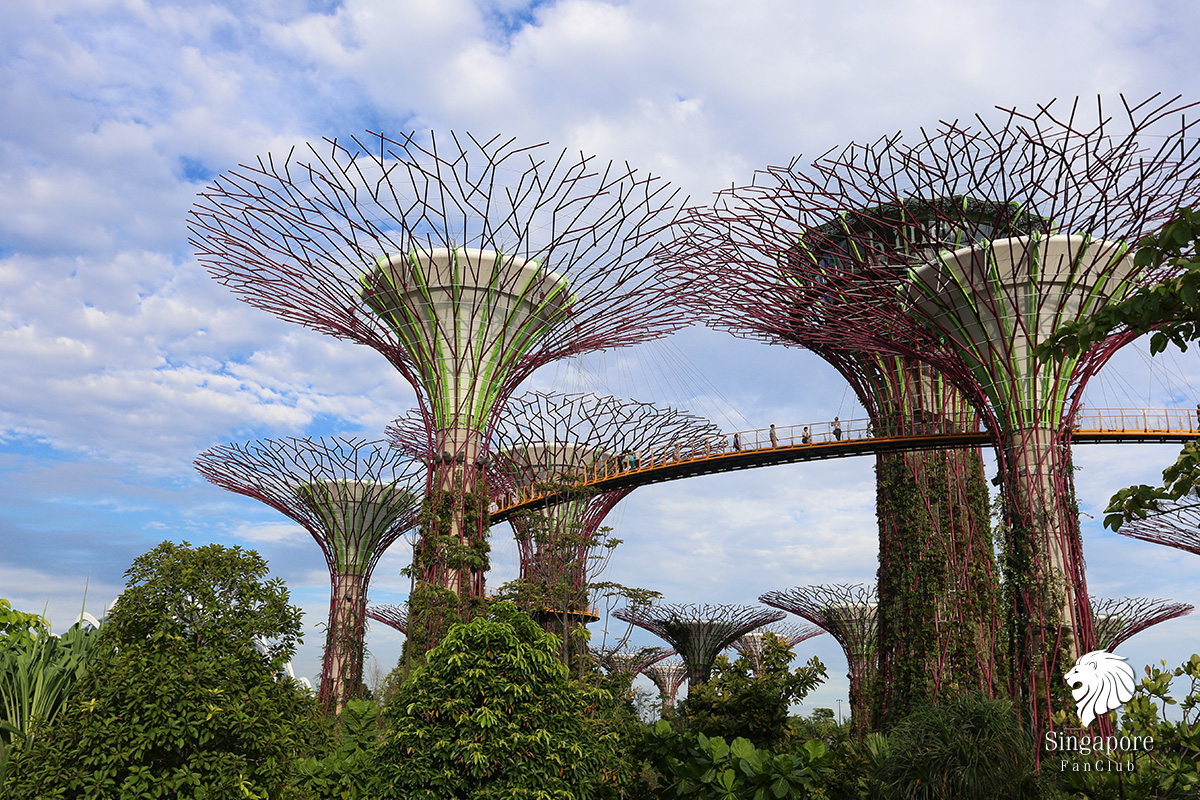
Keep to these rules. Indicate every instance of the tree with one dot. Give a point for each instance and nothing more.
(180, 701)
(494, 714)
(750, 697)
(1170, 311)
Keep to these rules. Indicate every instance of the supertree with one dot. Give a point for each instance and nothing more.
(668, 676)
(789, 633)
(633, 662)
(551, 439)
(390, 614)
(938, 619)
(698, 632)
(847, 612)
(468, 264)
(1118, 620)
(355, 497)
(964, 248)
(1174, 524)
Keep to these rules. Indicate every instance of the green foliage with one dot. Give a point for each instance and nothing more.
(19, 627)
(969, 747)
(1169, 770)
(180, 705)
(704, 768)
(741, 702)
(493, 714)
(213, 597)
(36, 678)
(1180, 480)
(347, 772)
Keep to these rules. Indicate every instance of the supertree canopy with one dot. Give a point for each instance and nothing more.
(390, 614)
(467, 263)
(355, 498)
(964, 247)
(550, 439)
(698, 632)
(633, 662)
(789, 633)
(937, 580)
(1118, 620)
(668, 675)
(1174, 524)
(848, 613)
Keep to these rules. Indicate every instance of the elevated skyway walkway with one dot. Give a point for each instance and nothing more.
(754, 448)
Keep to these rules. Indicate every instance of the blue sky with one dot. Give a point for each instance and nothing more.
(120, 359)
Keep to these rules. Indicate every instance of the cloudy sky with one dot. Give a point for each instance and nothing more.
(120, 359)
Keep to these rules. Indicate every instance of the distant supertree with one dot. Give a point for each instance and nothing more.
(790, 633)
(1118, 620)
(552, 439)
(634, 662)
(848, 613)
(964, 248)
(668, 676)
(698, 632)
(1175, 524)
(394, 616)
(355, 497)
(468, 264)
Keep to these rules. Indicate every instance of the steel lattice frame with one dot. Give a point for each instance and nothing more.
(668, 676)
(790, 633)
(898, 240)
(1118, 620)
(847, 612)
(467, 263)
(392, 615)
(1176, 524)
(355, 498)
(633, 662)
(698, 632)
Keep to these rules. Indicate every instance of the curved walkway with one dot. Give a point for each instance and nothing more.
(754, 448)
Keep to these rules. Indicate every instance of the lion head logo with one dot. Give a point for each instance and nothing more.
(1100, 682)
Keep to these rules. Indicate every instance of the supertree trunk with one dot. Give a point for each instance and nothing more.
(342, 664)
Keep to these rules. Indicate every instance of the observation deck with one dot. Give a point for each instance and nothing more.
(754, 448)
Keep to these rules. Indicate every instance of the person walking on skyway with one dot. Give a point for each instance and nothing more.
(805, 438)
(837, 429)
(774, 438)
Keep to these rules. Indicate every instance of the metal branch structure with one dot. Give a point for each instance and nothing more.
(698, 632)
(1175, 524)
(390, 614)
(551, 439)
(963, 248)
(847, 612)
(789, 633)
(355, 498)
(632, 662)
(1118, 620)
(668, 676)
(467, 263)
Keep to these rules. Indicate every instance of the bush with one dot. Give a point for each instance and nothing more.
(179, 702)
(493, 714)
(968, 748)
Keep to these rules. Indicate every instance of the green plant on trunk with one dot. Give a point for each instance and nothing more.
(494, 714)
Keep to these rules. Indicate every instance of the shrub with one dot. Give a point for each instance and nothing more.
(493, 714)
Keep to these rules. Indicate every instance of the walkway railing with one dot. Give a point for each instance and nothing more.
(841, 438)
